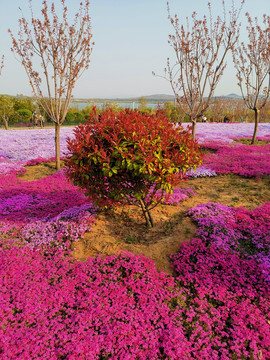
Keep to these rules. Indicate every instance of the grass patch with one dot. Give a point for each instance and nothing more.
(131, 239)
(39, 171)
(247, 141)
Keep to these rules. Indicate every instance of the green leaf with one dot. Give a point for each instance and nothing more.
(130, 166)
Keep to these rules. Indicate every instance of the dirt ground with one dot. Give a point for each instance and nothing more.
(123, 229)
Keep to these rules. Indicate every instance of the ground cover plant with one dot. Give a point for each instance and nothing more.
(227, 132)
(236, 229)
(85, 307)
(24, 145)
(244, 160)
(214, 305)
(219, 295)
(47, 211)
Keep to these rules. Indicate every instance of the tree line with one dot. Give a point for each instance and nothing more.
(19, 112)
(14, 110)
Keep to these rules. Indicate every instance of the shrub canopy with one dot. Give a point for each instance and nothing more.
(129, 156)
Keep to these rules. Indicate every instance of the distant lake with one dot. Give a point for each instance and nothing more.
(132, 105)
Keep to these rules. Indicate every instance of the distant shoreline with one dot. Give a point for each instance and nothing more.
(151, 99)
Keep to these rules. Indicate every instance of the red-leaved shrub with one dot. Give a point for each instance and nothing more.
(129, 156)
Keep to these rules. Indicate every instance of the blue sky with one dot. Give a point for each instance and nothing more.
(131, 41)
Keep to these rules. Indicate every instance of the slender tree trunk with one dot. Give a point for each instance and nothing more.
(147, 214)
(57, 145)
(5, 123)
(257, 119)
(193, 128)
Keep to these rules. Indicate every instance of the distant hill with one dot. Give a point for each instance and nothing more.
(166, 97)
(150, 98)
(156, 98)
(230, 96)
(162, 97)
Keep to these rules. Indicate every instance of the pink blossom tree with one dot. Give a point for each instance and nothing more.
(200, 49)
(252, 62)
(64, 52)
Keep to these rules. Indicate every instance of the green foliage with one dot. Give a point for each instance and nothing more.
(142, 103)
(24, 104)
(24, 115)
(74, 117)
(173, 113)
(131, 239)
(70, 117)
(13, 110)
(73, 109)
(147, 111)
(90, 109)
(6, 109)
(114, 106)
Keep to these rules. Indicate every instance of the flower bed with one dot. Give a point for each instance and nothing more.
(46, 211)
(119, 307)
(25, 145)
(51, 210)
(226, 303)
(8, 165)
(226, 133)
(244, 160)
(236, 229)
(225, 283)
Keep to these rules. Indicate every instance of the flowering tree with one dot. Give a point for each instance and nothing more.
(200, 51)
(252, 62)
(64, 51)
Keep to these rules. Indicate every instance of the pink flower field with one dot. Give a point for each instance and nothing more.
(25, 145)
(52, 306)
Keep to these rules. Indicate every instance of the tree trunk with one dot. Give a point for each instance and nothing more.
(257, 119)
(147, 214)
(5, 123)
(193, 128)
(57, 145)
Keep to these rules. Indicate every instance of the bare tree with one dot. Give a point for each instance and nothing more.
(252, 62)
(217, 109)
(64, 51)
(200, 49)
